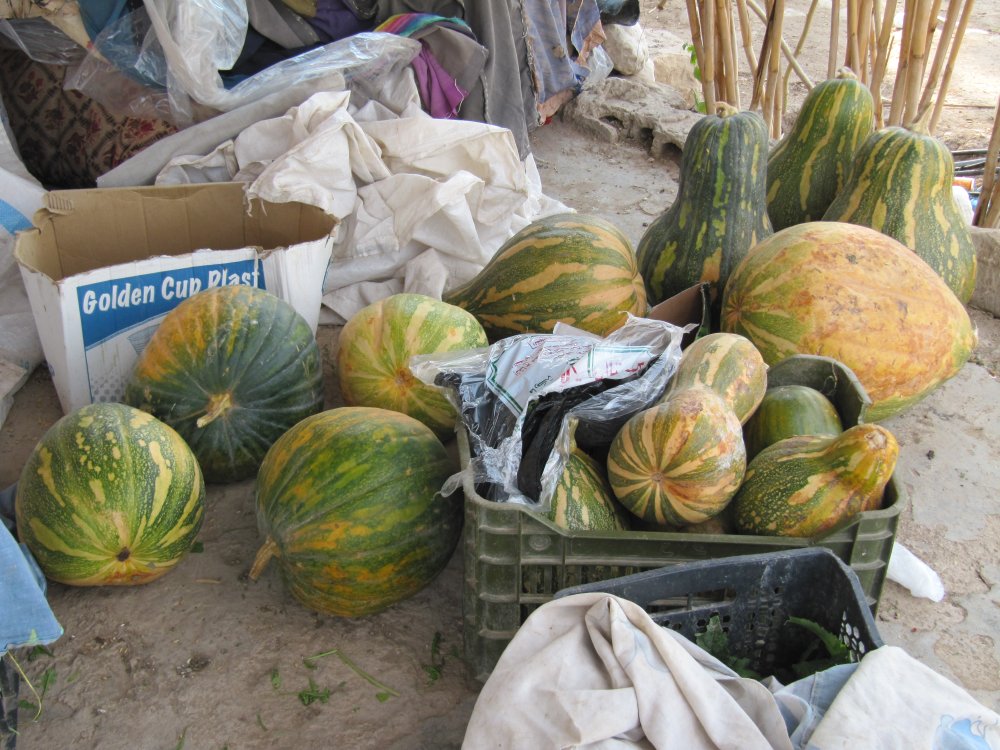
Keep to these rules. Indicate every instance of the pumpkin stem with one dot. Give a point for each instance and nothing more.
(921, 125)
(847, 73)
(218, 405)
(268, 550)
(722, 109)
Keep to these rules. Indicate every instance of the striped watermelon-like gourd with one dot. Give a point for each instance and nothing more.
(788, 411)
(728, 364)
(720, 211)
(230, 368)
(376, 344)
(583, 500)
(858, 296)
(805, 486)
(680, 462)
(574, 268)
(109, 496)
(348, 502)
(901, 185)
(811, 163)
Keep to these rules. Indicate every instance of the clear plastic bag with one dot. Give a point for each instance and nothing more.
(199, 38)
(40, 40)
(516, 399)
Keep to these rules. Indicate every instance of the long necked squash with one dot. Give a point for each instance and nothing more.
(728, 364)
(805, 486)
(720, 211)
(810, 165)
(901, 185)
(858, 296)
(574, 268)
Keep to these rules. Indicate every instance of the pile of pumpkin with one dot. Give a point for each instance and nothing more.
(871, 266)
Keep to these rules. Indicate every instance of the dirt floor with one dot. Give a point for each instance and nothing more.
(204, 658)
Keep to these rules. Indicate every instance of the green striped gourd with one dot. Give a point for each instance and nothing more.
(788, 411)
(583, 500)
(376, 344)
(109, 495)
(855, 295)
(348, 502)
(901, 185)
(574, 268)
(680, 462)
(230, 368)
(811, 163)
(727, 363)
(720, 211)
(805, 486)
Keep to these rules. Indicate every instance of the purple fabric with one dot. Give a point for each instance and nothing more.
(336, 20)
(439, 93)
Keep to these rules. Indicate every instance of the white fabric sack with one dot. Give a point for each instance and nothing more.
(423, 203)
(893, 702)
(594, 671)
(20, 348)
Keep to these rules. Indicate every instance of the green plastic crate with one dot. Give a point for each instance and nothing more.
(516, 560)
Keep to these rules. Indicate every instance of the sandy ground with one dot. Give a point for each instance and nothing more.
(204, 658)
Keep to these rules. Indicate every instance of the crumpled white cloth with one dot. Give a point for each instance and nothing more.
(423, 203)
(594, 671)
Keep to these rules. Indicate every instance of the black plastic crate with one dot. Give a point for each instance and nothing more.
(753, 597)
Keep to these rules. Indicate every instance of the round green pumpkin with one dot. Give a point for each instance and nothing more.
(230, 368)
(376, 344)
(110, 495)
(787, 411)
(348, 502)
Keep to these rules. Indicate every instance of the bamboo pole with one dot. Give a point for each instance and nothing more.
(707, 86)
(865, 10)
(741, 8)
(724, 89)
(944, 41)
(852, 56)
(732, 61)
(899, 85)
(707, 9)
(987, 204)
(956, 42)
(992, 218)
(917, 61)
(774, 67)
(799, 46)
(831, 63)
(763, 62)
(884, 45)
(789, 55)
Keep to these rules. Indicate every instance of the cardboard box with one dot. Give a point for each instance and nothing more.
(102, 267)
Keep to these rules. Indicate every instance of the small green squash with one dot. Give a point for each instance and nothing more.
(720, 211)
(810, 164)
(375, 347)
(805, 486)
(855, 295)
(109, 496)
(230, 368)
(901, 185)
(728, 364)
(788, 411)
(348, 501)
(680, 462)
(583, 500)
(574, 268)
